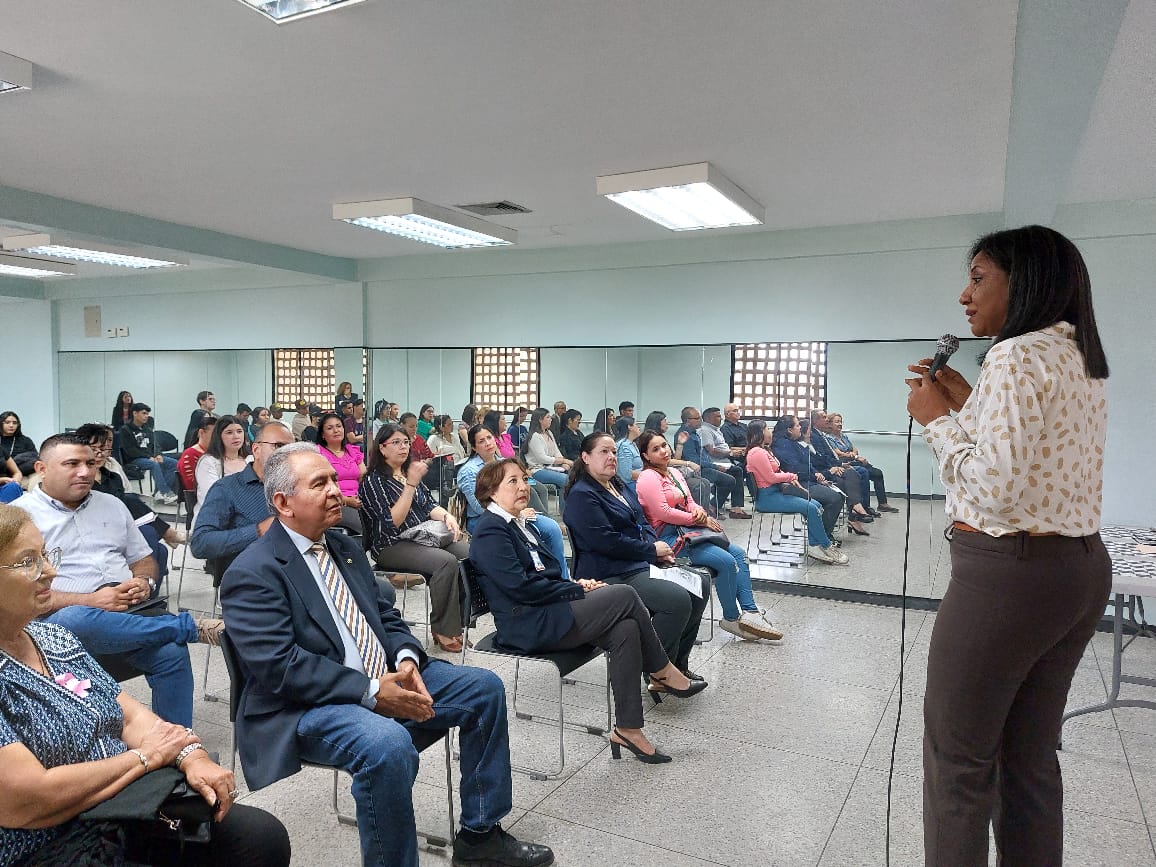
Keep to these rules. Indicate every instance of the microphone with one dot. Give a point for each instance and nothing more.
(944, 349)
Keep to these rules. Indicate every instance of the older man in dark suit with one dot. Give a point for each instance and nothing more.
(333, 676)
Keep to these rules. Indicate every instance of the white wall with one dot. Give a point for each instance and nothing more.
(412, 377)
(28, 384)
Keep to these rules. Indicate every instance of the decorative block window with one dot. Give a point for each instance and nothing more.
(775, 379)
(505, 377)
(304, 374)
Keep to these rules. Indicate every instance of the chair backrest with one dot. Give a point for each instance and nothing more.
(190, 498)
(471, 596)
(233, 666)
(165, 441)
(216, 567)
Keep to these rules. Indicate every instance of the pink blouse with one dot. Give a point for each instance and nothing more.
(505, 445)
(665, 500)
(764, 466)
(348, 468)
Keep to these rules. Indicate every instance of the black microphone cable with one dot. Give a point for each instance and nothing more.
(902, 647)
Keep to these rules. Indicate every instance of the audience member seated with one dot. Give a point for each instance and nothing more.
(626, 408)
(845, 450)
(206, 406)
(469, 419)
(419, 449)
(15, 447)
(228, 453)
(613, 542)
(235, 512)
(671, 510)
(444, 441)
(261, 417)
(570, 437)
(300, 419)
(138, 447)
(735, 434)
(425, 417)
(313, 693)
(691, 471)
(795, 456)
(348, 463)
(779, 491)
(243, 414)
(851, 478)
(355, 424)
(495, 423)
(540, 453)
(556, 420)
(309, 434)
(121, 411)
(486, 452)
(537, 609)
(604, 421)
(394, 500)
(626, 432)
(344, 395)
(187, 462)
(517, 428)
(106, 568)
(689, 447)
(72, 739)
(715, 446)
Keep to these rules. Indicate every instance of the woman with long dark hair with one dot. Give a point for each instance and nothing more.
(17, 452)
(790, 447)
(495, 423)
(517, 426)
(121, 412)
(604, 421)
(425, 418)
(347, 461)
(1021, 462)
(228, 453)
(540, 453)
(394, 499)
(692, 472)
(613, 542)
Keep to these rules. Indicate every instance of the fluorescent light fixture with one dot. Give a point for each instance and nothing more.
(98, 254)
(420, 221)
(15, 73)
(284, 11)
(18, 266)
(682, 198)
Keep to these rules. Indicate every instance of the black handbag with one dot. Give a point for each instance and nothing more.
(162, 799)
(693, 538)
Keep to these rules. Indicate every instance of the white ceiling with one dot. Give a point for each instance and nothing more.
(827, 112)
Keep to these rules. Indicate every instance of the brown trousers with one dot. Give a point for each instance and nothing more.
(1013, 625)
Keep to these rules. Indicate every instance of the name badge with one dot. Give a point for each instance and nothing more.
(537, 561)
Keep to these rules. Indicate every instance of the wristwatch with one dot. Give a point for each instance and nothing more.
(152, 586)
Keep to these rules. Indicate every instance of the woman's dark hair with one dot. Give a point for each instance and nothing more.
(535, 428)
(341, 388)
(318, 436)
(622, 427)
(517, 415)
(490, 478)
(782, 427)
(756, 432)
(439, 421)
(4, 416)
(805, 428)
(569, 416)
(600, 420)
(1048, 282)
(643, 442)
(118, 407)
(654, 421)
(91, 433)
(472, 434)
(377, 462)
(470, 414)
(579, 470)
(424, 407)
(490, 422)
(216, 446)
(257, 410)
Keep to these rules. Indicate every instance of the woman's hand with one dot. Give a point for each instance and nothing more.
(927, 400)
(820, 479)
(665, 554)
(712, 524)
(682, 438)
(416, 472)
(453, 525)
(164, 741)
(956, 390)
(352, 502)
(529, 515)
(589, 584)
(700, 515)
(213, 782)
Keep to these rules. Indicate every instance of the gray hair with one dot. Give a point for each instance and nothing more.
(279, 475)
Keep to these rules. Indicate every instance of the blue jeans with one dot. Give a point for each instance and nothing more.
(155, 645)
(732, 574)
(546, 476)
(551, 535)
(380, 755)
(774, 500)
(164, 474)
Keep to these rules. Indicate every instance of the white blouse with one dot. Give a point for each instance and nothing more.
(542, 451)
(1026, 452)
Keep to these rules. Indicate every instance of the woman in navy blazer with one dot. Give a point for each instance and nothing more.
(536, 609)
(614, 542)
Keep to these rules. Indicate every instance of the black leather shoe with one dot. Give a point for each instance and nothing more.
(500, 849)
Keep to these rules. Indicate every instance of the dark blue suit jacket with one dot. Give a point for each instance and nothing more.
(609, 538)
(291, 652)
(795, 457)
(531, 608)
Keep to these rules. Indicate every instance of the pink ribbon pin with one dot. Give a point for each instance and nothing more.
(74, 684)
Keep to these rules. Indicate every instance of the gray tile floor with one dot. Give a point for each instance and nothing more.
(782, 761)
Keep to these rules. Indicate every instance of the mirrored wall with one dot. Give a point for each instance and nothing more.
(864, 383)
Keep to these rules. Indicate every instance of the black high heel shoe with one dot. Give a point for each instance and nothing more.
(658, 687)
(856, 531)
(655, 758)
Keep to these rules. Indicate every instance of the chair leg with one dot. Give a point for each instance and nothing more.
(342, 818)
(206, 695)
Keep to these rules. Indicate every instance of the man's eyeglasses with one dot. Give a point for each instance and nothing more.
(269, 443)
(34, 566)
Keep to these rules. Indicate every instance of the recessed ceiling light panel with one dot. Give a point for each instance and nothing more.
(98, 254)
(683, 198)
(15, 73)
(284, 11)
(18, 266)
(421, 221)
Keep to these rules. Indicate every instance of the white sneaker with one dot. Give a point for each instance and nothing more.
(733, 627)
(826, 555)
(166, 499)
(757, 625)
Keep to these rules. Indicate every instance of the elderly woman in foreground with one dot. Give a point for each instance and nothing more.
(536, 609)
(71, 739)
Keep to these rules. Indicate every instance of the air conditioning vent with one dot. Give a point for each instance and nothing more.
(494, 209)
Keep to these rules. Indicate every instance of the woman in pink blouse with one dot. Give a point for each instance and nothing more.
(347, 461)
(672, 511)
